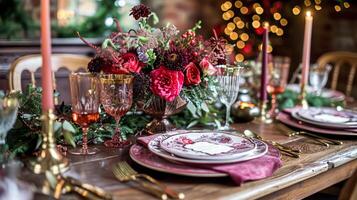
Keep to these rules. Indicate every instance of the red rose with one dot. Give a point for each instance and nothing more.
(207, 67)
(193, 76)
(166, 83)
(129, 63)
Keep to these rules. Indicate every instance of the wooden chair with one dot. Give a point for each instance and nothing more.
(339, 59)
(32, 63)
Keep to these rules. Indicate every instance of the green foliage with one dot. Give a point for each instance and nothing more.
(16, 22)
(290, 98)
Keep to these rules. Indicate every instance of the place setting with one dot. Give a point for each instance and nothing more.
(205, 153)
(328, 121)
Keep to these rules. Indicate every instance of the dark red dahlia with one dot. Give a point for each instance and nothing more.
(140, 11)
(176, 58)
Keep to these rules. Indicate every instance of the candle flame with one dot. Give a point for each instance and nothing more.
(308, 14)
(266, 24)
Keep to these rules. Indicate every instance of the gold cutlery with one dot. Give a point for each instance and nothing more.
(167, 190)
(124, 177)
(66, 185)
(91, 188)
(282, 148)
(322, 140)
(328, 140)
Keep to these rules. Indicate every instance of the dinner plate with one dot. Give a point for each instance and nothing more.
(296, 116)
(154, 147)
(209, 145)
(326, 93)
(287, 119)
(329, 117)
(144, 157)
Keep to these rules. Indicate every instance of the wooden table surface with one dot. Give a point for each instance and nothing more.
(319, 167)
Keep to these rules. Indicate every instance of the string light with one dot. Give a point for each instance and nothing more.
(244, 16)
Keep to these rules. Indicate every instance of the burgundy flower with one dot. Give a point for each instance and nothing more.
(192, 74)
(166, 83)
(140, 11)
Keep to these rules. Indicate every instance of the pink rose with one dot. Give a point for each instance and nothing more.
(166, 83)
(207, 67)
(192, 74)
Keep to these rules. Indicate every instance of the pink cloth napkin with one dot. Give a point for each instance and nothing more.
(255, 169)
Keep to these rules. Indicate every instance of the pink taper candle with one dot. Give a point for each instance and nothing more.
(306, 48)
(46, 73)
(264, 75)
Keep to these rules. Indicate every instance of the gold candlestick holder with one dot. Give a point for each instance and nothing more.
(265, 117)
(302, 97)
(49, 158)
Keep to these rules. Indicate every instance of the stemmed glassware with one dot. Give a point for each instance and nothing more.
(278, 72)
(116, 97)
(85, 105)
(228, 77)
(8, 114)
(318, 77)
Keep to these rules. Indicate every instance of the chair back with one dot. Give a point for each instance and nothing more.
(32, 63)
(339, 59)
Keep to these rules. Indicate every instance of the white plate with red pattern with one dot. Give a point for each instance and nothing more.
(210, 145)
(154, 147)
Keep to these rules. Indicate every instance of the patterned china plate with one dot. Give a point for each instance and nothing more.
(296, 116)
(329, 117)
(208, 145)
(287, 119)
(154, 147)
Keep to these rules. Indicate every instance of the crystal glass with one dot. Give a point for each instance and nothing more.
(116, 97)
(228, 86)
(278, 72)
(318, 77)
(8, 114)
(85, 106)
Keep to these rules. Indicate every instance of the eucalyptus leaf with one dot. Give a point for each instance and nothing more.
(67, 126)
(68, 138)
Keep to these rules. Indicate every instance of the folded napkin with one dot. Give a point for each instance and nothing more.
(240, 172)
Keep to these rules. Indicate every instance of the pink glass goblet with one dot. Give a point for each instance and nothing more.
(116, 97)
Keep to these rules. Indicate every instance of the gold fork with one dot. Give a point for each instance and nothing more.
(131, 172)
(123, 177)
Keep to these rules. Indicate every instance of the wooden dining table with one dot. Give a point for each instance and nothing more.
(318, 168)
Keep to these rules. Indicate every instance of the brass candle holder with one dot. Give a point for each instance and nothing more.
(265, 117)
(302, 97)
(49, 158)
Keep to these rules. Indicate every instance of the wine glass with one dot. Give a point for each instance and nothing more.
(8, 114)
(228, 86)
(85, 106)
(278, 72)
(318, 77)
(116, 97)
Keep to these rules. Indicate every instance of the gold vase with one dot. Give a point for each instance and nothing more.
(160, 110)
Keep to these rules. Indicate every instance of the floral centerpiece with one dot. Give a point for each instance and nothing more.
(171, 69)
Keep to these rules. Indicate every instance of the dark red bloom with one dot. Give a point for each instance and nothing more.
(140, 11)
(192, 74)
(166, 83)
(131, 63)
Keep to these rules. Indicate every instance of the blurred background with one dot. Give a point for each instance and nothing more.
(334, 29)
